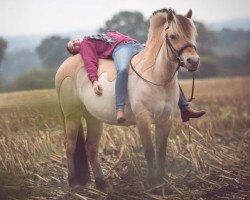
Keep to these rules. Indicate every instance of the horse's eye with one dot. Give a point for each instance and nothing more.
(173, 37)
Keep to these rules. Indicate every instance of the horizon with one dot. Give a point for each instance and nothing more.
(28, 17)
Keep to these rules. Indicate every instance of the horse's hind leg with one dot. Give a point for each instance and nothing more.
(72, 124)
(78, 172)
(162, 130)
(94, 132)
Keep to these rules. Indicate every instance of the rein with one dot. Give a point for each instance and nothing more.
(192, 93)
(180, 63)
(156, 84)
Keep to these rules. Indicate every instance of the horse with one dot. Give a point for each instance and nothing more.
(152, 97)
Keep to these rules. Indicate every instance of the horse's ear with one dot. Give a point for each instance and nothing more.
(189, 14)
(170, 17)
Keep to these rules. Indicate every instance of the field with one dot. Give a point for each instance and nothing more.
(208, 158)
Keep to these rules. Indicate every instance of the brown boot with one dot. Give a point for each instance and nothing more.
(191, 113)
(120, 116)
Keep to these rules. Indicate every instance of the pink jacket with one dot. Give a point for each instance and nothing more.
(93, 48)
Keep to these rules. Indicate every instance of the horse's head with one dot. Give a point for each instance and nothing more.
(177, 33)
(180, 34)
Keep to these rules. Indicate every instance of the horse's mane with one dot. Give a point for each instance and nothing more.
(186, 28)
(181, 25)
(156, 22)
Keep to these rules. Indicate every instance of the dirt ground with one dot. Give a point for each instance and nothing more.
(210, 180)
(214, 164)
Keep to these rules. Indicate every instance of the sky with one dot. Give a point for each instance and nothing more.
(29, 17)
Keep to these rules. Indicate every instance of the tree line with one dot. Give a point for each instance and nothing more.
(3, 46)
(223, 53)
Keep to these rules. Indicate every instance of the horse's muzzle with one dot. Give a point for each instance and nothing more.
(192, 64)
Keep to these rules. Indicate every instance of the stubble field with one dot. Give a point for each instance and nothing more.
(214, 163)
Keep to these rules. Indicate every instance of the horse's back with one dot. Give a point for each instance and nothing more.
(72, 65)
(72, 83)
(68, 68)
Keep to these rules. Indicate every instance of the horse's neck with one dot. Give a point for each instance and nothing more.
(161, 69)
(150, 53)
(164, 71)
(155, 59)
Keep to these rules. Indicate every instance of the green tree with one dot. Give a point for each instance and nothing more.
(234, 51)
(207, 42)
(3, 46)
(246, 58)
(128, 23)
(18, 62)
(52, 51)
(34, 79)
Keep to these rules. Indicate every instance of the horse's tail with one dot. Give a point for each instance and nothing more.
(82, 173)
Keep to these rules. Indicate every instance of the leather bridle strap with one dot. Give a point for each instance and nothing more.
(177, 53)
(180, 62)
(185, 47)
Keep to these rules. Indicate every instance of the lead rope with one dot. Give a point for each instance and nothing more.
(192, 93)
(189, 133)
(189, 100)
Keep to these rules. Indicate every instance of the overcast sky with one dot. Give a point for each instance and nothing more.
(27, 17)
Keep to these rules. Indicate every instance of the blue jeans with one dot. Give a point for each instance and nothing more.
(183, 103)
(122, 56)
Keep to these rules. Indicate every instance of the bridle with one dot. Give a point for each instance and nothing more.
(177, 58)
(180, 62)
(177, 53)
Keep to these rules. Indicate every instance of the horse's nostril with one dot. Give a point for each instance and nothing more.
(196, 62)
(193, 62)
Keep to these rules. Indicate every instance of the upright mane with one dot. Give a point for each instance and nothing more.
(182, 26)
(158, 22)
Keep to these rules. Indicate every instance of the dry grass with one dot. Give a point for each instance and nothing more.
(214, 164)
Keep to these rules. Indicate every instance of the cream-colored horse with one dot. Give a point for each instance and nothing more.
(170, 43)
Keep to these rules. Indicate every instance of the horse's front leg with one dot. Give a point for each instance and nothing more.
(162, 130)
(143, 122)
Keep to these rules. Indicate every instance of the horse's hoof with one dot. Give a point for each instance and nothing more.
(160, 180)
(76, 183)
(104, 185)
(75, 187)
(73, 183)
(151, 182)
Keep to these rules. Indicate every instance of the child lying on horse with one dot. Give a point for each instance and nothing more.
(120, 48)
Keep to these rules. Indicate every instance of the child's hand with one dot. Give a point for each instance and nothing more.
(97, 88)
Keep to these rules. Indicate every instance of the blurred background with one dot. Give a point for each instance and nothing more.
(33, 34)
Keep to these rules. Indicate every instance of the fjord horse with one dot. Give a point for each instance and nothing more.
(152, 97)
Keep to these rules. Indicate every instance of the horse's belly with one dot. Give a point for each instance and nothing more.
(102, 107)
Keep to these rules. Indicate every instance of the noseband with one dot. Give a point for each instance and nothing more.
(177, 53)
